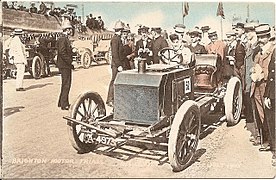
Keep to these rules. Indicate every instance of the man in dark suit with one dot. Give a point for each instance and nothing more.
(158, 43)
(143, 46)
(116, 63)
(64, 63)
(228, 66)
(269, 102)
(195, 47)
(240, 53)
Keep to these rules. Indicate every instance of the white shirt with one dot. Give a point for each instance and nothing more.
(17, 50)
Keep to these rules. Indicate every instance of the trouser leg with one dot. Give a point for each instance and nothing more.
(110, 95)
(259, 102)
(19, 75)
(248, 112)
(66, 78)
(270, 119)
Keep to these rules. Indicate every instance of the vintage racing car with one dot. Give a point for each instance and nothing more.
(162, 106)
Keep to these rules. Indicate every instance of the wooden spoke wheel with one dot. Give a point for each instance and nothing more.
(36, 67)
(184, 135)
(87, 108)
(233, 101)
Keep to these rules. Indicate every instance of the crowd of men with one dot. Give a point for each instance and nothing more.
(248, 53)
(67, 12)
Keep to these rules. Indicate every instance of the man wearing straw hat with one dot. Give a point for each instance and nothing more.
(17, 51)
(259, 77)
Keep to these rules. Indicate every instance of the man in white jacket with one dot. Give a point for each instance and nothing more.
(17, 51)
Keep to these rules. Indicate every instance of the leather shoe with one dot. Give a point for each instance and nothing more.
(264, 149)
(65, 108)
(20, 89)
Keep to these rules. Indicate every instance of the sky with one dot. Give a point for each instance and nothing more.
(167, 14)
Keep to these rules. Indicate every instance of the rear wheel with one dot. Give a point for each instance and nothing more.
(86, 60)
(184, 135)
(87, 108)
(233, 101)
(36, 67)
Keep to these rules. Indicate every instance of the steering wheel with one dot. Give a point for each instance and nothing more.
(169, 55)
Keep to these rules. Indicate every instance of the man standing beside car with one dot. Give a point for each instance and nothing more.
(116, 63)
(64, 63)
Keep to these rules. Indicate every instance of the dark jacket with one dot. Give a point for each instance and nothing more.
(239, 54)
(198, 49)
(270, 86)
(64, 49)
(116, 49)
(157, 45)
(139, 45)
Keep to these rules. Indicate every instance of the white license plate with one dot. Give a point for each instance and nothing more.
(106, 140)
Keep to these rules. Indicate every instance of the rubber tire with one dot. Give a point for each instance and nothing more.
(185, 108)
(36, 73)
(82, 147)
(229, 100)
(85, 62)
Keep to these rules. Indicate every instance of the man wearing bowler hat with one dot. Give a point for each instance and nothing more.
(17, 51)
(158, 43)
(259, 77)
(143, 46)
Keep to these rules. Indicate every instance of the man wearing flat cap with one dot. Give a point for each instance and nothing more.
(143, 46)
(17, 51)
(158, 43)
(229, 55)
(260, 78)
(240, 52)
(195, 47)
(217, 47)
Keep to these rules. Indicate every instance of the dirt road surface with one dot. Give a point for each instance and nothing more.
(36, 143)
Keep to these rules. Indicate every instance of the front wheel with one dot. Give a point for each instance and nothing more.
(233, 101)
(184, 135)
(86, 60)
(87, 108)
(36, 67)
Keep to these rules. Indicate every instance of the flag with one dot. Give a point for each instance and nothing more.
(220, 10)
(185, 9)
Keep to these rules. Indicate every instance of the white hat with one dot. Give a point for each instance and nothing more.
(119, 25)
(18, 32)
(179, 28)
(263, 29)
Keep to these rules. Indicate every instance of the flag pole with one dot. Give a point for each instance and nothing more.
(221, 28)
(182, 7)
